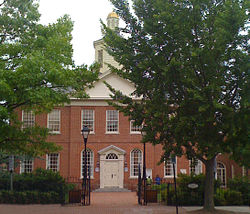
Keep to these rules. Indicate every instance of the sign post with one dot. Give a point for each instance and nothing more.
(176, 199)
(11, 169)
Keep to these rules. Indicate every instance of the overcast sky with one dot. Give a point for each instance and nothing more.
(86, 15)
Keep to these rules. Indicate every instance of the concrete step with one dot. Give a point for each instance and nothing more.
(111, 189)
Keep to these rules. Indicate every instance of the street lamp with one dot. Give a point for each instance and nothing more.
(85, 133)
(143, 133)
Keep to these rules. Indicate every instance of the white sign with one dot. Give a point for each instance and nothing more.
(11, 163)
(193, 186)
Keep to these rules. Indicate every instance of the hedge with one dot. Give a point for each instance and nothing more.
(40, 186)
(29, 197)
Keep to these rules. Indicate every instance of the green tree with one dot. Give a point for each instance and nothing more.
(189, 63)
(36, 72)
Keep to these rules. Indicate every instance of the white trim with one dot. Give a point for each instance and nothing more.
(91, 132)
(224, 168)
(170, 176)
(81, 164)
(51, 131)
(119, 150)
(21, 165)
(243, 171)
(31, 113)
(130, 129)
(112, 132)
(58, 161)
(198, 162)
(130, 174)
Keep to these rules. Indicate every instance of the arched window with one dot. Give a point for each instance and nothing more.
(89, 161)
(221, 173)
(111, 156)
(135, 160)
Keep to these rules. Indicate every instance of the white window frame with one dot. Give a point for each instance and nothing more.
(112, 132)
(48, 164)
(221, 172)
(23, 165)
(197, 167)
(91, 163)
(92, 131)
(243, 171)
(33, 115)
(48, 122)
(132, 164)
(172, 175)
(136, 127)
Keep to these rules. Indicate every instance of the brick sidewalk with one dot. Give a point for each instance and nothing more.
(101, 203)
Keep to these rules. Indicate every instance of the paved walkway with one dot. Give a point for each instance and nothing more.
(101, 203)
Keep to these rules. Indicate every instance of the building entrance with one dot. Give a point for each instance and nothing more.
(111, 167)
(111, 174)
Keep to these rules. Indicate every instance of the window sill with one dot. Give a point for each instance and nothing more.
(133, 177)
(92, 177)
(112, 132)
(55, 133)
(169, 176)
(135, 133)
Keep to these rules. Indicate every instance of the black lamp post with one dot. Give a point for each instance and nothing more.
(143, 133)
(85, 133)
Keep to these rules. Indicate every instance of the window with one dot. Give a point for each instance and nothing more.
(100, 57)
(195, 166)
(28, 119)
(89, 163)
(88, 119)
(53, 162)
(169, 172)
(243, 171)
(112, 121)
(111, 156)
(135, 129)
(135, 160)
(26, 166)
(54, 121)
(221, 174)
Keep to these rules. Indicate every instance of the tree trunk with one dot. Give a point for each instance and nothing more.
(209, 186)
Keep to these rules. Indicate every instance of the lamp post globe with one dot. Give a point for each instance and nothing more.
(85, 133)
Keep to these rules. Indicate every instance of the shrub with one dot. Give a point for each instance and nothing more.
(40, 184)
(233, 197)
(29, 197)
(224, 197)
(241, 185)
(219, 197)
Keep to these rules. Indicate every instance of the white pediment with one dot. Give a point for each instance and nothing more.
(112, 149)
(100, 90)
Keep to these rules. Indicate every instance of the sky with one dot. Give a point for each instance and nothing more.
(86, 15)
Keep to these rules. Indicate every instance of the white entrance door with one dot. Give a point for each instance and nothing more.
(111, 174)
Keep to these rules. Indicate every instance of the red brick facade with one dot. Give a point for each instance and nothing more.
(71, 140)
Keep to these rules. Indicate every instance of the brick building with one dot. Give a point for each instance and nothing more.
(114, 148)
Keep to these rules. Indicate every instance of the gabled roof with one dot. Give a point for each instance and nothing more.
(101, 91)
